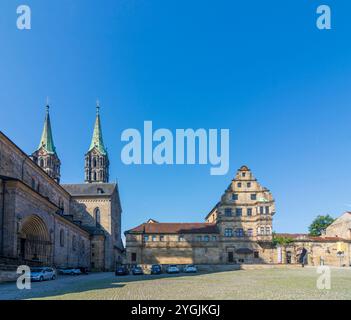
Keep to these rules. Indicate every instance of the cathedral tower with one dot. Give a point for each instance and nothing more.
(45, 156)
(96, 159)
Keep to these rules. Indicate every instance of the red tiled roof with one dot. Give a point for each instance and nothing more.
(177, 228)
(292, 235)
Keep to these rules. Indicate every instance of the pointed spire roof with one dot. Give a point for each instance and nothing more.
(46, 141)
(97, 141)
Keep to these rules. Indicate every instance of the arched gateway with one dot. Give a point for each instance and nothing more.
(34, 240)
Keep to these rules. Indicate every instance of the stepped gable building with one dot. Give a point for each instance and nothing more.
(238, 230)
(45, 223)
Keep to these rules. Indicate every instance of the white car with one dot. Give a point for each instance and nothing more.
(70, 271)
(42, 273)
(190, 268)
(172, 269)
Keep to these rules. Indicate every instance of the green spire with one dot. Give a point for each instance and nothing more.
(97, 141)
(46, 141)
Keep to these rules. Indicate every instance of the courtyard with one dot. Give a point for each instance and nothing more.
(272, 283)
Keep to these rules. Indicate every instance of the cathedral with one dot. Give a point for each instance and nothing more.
(43, 222)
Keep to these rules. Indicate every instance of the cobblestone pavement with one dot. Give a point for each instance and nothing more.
(242, 284)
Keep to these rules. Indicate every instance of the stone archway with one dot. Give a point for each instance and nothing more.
(34, 240)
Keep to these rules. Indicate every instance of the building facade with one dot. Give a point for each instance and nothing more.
(46, 223)
(238, 230)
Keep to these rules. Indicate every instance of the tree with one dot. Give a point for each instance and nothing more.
(319, 224)
(281, 241)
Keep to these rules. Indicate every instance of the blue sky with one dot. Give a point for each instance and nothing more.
(260, 68)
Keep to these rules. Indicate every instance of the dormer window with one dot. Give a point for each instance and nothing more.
(243, 174)
(100, 190)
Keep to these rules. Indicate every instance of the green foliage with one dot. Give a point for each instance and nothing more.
(281, 241)
(319, 224)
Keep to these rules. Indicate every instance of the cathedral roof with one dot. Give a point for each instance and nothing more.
(175, 228)
(97, 141)
(46, 141)
(90, 189)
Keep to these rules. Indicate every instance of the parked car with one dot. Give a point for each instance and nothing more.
(121, 271)
(70, 271)
(190, 268)
(84, 270)
(172, 269)
(42, 273)
(156, 269)
(137, 270)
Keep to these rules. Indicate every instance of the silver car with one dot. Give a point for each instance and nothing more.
(70, 271)
(42, 273)
(190, 268)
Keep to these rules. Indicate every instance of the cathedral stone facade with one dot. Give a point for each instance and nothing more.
(45, 223)
(238, 230)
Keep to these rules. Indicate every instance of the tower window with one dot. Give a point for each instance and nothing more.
(97, 217)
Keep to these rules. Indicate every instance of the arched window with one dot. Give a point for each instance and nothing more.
(97, 217)
(41, 162)
(268, 230)
(94, 176)
(94, 162)
(62, 238)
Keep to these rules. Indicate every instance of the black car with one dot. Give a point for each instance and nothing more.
(156, 269)
(137, 271)
(122, 271)
(83, 270)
